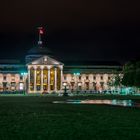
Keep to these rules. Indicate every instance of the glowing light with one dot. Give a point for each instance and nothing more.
(64, 84)
(21, 86)
(45, 59)
(79, 84)
(77, 74)
(23, 73)
(40, 30)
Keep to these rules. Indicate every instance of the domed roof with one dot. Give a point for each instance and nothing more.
(39, 51)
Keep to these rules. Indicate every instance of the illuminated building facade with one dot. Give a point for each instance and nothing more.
(41, 72)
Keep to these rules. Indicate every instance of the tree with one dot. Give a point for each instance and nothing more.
(137, 75)
(115, 81)
(129, 71)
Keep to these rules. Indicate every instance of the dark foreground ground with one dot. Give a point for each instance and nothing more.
(25, 118)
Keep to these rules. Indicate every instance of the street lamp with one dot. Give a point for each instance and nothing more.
(65, 89)
(77, 74)
(24, 83)
(79, 85)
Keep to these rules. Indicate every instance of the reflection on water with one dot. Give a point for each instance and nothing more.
(128, 103)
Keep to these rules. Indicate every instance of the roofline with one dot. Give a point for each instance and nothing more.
(17, 65)
(93, 66)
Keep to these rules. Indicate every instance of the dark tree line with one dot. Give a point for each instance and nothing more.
(131, 73)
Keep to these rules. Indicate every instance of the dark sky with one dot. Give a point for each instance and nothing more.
(75, 29)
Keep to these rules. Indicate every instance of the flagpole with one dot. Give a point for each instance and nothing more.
(39, 31)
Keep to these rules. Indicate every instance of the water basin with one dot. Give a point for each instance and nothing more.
(115, 102)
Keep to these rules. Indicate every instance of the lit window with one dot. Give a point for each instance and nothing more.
(21, 86)
(72, 77)
(13, 78)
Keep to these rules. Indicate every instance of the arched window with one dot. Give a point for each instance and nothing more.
(72, 85)
(102, 85)
(94, 86)
(87, 85)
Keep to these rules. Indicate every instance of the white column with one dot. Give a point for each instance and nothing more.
(41, 79)
(24, 81)
(35, 79)
(28, 80)
(61, 78)
(55, 73)
(48, 79)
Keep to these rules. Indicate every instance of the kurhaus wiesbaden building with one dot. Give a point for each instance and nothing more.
(42, 72)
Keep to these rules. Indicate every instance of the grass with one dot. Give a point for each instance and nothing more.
(36, 118)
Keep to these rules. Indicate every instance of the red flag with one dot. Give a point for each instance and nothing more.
(40, 31)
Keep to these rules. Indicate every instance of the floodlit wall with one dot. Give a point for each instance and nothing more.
(87, 81)
(11, 82)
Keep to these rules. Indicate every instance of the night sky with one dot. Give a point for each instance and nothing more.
(76, 29)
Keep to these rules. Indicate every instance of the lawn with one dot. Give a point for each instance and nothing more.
(32, 118)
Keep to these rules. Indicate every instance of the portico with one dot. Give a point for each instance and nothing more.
(44, 75)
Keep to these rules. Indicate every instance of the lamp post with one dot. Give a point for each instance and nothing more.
(77, 83)
(65, 89)
(24, 82)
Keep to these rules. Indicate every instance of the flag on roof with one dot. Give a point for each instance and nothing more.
(40, 30)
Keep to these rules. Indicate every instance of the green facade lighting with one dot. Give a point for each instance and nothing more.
(23, 73)
(77, 73)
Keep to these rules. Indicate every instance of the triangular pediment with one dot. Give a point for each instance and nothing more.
(45, 60)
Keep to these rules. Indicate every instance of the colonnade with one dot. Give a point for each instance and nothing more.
(44, 78)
